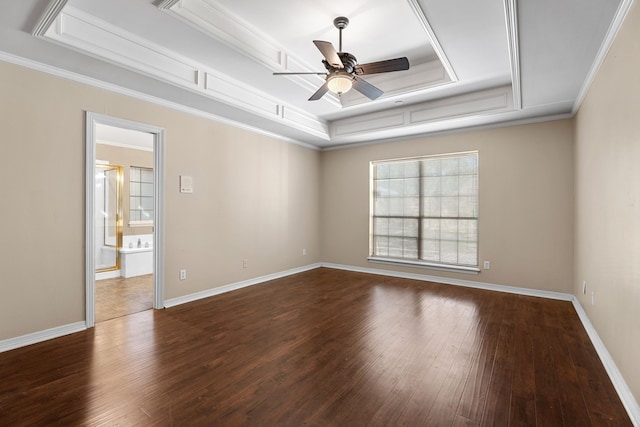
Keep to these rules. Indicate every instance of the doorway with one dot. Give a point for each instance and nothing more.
(123, 217)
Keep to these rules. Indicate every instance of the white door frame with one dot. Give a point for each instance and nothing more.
(91, 119)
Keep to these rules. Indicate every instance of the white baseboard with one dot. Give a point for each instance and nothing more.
(456, 282)
(629, 402)
(238, 285)
(36, 337)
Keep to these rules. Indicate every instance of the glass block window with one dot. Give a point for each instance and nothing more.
(425, 210)
(140, 195)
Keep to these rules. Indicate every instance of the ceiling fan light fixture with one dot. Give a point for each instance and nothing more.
(340, 82)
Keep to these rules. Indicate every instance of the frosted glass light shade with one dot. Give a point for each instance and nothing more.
(340, 83)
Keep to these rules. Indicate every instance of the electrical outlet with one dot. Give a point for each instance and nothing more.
(584, 287)
(245, 263)
(486, 265)
(593, 298)
(183, 274)
(304, 251)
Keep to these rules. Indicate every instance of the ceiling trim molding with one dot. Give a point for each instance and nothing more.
(511, 18)
(421, 17)
(48, 17)
(167, 4)
(89, 35)
(472, 104)
(102, 40)
(100, 84)
(507, 122)
(238, 94)
(214, 20)
(615, 26)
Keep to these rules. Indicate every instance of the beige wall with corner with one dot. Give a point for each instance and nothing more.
(525, 208)
(607, 194)
(255, 198)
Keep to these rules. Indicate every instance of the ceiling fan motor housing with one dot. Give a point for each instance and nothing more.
(348, 61)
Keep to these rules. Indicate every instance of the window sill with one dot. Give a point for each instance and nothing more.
(432, 266)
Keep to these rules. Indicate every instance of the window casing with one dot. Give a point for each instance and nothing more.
(424, 211)
(140, 196)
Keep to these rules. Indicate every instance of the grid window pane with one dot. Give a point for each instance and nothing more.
(146, 189)
(449, 252)
(431, 167)
(146, 175)
(468, 206)
(449, 186)
(141, 194)
(431, 186)
(430, 250)
(431, 207)
(382, 207)
(431, 229)
(449, 207)
(382, 188)
(412, 206)
(426, 209)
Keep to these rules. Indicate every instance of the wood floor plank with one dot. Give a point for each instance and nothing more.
(473, 400)
(522, 412)
(499, 390)
(320, 348)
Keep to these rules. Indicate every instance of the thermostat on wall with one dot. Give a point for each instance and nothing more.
(186, 184)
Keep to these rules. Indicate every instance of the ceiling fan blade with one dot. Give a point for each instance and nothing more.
(365, 88)
(293, 73)
(398, 64)
(320, 92)
(329, 53)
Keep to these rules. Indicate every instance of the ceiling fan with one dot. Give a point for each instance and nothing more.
(343, 68)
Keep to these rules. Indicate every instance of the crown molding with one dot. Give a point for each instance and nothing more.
(215, 20)
(431, 35)
(511, 19)
(620, 15)
(167, 4)
(414, 116)
(89, 81)
(89, 35)
(48, 17)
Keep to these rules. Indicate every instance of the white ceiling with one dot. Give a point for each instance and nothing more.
(473, 63)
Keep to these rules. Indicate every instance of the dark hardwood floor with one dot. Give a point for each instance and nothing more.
(321, 348)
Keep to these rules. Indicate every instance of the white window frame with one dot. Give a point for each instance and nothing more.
(139, 222)
(413, 256)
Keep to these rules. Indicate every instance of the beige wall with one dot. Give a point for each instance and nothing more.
(126, 157)
(607, 226)
(255, 197)
(525, 211)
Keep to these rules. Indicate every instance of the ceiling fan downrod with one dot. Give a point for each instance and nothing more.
(340, 23)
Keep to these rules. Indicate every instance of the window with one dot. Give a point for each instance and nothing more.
(140, 196)
(424, 211)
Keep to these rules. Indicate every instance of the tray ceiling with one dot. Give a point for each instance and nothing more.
(472, 63)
